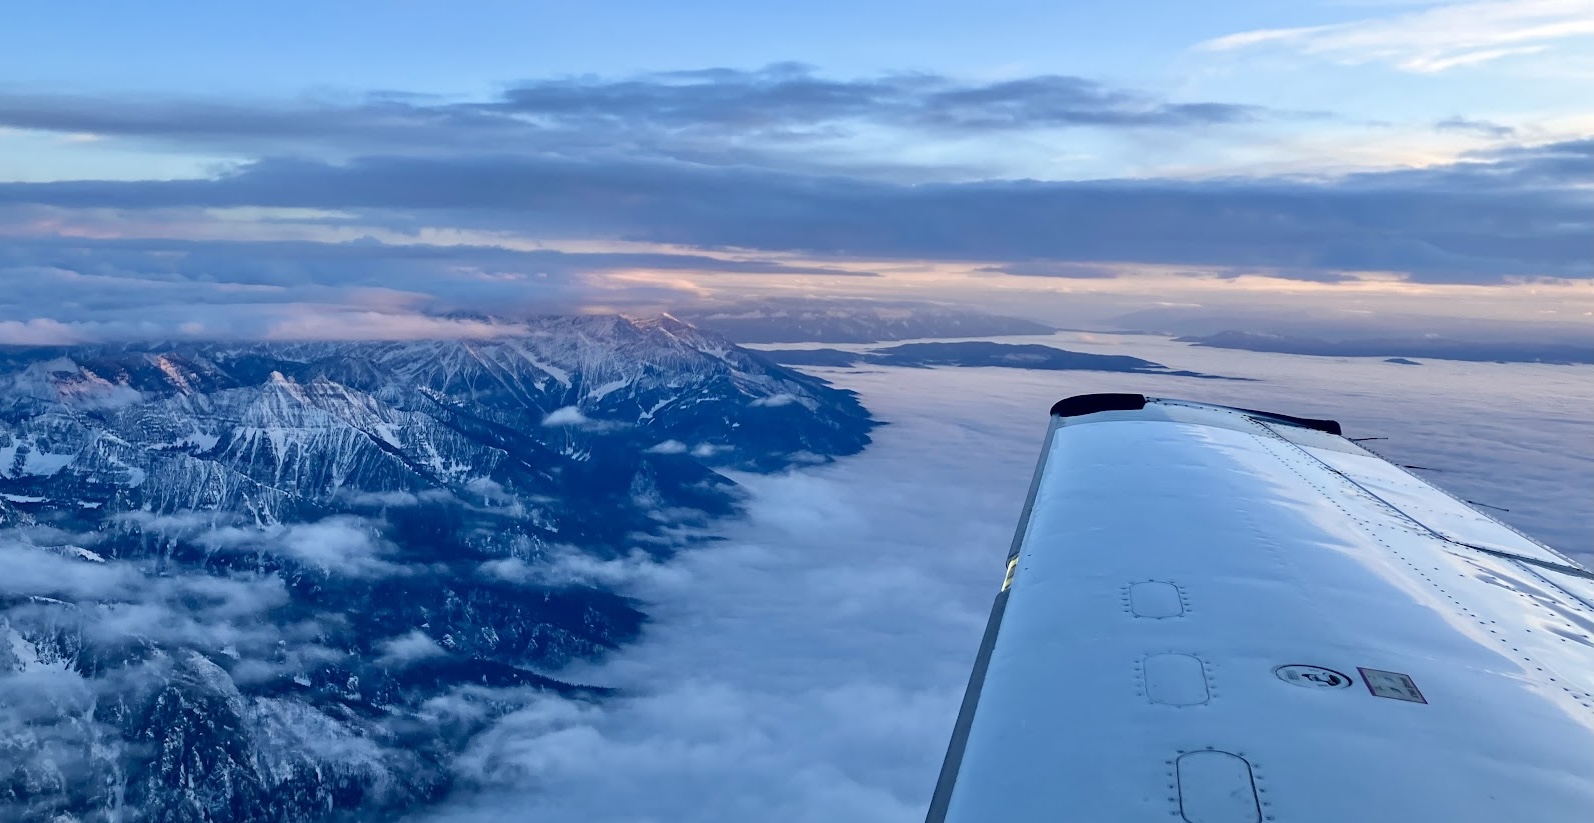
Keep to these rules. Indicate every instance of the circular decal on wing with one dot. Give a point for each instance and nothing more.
(1315, 677)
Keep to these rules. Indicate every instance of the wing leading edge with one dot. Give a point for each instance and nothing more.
(1225, 615)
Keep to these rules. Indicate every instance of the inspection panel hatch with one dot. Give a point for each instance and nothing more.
(1217, 787)
(1156, 599)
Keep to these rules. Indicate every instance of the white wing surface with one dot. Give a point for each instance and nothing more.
(1229, 616)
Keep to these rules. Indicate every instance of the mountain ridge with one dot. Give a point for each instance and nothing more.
(221, 546)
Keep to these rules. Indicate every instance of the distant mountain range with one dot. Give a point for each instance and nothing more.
(287, 582)
(1397, 347)
(976, 353)
(854, 321)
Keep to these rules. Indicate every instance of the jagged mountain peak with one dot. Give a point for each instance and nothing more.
(259, 563)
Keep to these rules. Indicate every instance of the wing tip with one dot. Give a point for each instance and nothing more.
(1081, 404)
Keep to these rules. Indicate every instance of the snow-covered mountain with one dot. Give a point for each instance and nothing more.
(286, 582)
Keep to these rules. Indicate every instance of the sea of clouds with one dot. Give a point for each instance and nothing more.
(808, 666)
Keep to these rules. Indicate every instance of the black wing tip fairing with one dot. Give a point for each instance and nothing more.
(1091, 403)
(1082, 404)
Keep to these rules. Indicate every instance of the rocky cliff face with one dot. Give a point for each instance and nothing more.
(286, 582)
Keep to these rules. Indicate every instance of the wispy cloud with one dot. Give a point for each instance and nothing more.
(788, 95)
(1434, 39)
(400, 651)
(1467, 125)
(775, 116)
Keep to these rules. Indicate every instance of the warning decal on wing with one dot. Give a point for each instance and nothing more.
(1393, 685)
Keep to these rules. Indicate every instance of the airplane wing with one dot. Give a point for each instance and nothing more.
(1221, 615)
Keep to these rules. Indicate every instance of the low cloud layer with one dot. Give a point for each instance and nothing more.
(64, 595)
(64, 290)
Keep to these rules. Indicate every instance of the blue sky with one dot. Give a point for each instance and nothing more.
(476, 47)
(1385, 68)
(1444, 144)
